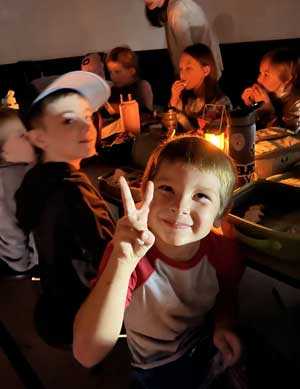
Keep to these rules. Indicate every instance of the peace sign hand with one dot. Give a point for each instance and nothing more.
(132, 239)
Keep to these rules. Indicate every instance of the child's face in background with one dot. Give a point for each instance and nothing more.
(68, 133)
(192, 72)
(120, 75)
(185, 206)
(17, 147)
(269, 77)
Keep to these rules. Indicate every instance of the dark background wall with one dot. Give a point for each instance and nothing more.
(241, 62)
(50, 37)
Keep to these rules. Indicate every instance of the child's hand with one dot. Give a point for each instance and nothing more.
(177, 88)
(260, 94)
(229, 344)
(248, 96)
(132, 238)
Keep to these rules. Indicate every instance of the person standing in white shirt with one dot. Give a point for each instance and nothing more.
(185, 24)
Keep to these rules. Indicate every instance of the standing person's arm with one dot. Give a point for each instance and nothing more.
(188, 24)
(179, 27)
(99, 320)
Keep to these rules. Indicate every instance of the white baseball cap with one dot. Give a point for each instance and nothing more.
(90, 85)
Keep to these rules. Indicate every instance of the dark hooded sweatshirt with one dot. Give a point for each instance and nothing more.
(71, 225)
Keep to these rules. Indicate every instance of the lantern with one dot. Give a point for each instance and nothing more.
(216, 139)
(214, 124)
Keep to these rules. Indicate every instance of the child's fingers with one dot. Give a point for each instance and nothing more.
(143, 243)
(248, 93)
(148, 196)
(137, 223)
(127, 200)
(179, 82)
(178, 86)
(143, 212)
(258, 90)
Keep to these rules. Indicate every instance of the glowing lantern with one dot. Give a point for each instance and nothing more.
(216, 139)
(213, 124)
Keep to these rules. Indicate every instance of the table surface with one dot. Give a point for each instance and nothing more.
(280, 269)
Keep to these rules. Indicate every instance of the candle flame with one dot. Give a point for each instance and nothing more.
(217, 140)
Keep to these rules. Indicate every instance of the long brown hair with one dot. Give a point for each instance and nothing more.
(204, 56)
(158, 16)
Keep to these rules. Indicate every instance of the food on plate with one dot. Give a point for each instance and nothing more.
(254, 213)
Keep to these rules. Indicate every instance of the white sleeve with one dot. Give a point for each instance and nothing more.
(16, 249)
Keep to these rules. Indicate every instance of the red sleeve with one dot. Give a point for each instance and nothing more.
(229, 267)
(228, 261)
(103, 263)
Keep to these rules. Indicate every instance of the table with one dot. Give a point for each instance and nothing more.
(281, 270)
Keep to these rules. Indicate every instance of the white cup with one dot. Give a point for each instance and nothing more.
(130, 116)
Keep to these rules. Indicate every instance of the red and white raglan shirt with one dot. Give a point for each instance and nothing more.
(167, 301)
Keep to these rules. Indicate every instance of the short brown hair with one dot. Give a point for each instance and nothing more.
(198, 152)
(125, 56)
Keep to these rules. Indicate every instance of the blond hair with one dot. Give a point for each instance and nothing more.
(198, 152)
(287, 62)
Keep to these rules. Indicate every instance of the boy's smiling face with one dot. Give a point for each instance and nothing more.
(184, 208)
(68, 133)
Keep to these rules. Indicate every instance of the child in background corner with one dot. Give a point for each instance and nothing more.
(198, 85)
(278, 86)
(16, 157)
(122, 64)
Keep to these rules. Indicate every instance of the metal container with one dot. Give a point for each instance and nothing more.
(242, 132)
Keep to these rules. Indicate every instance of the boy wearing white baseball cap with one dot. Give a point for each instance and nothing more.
(70, 221)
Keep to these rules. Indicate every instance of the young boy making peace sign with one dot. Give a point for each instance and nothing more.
(170, 278)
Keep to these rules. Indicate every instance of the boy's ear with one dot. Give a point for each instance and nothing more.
(132, 71)
(218, 221)
(219, 218)
(206, 70)
(37, 137)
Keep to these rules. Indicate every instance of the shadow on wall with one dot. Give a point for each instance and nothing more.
(224, 22)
